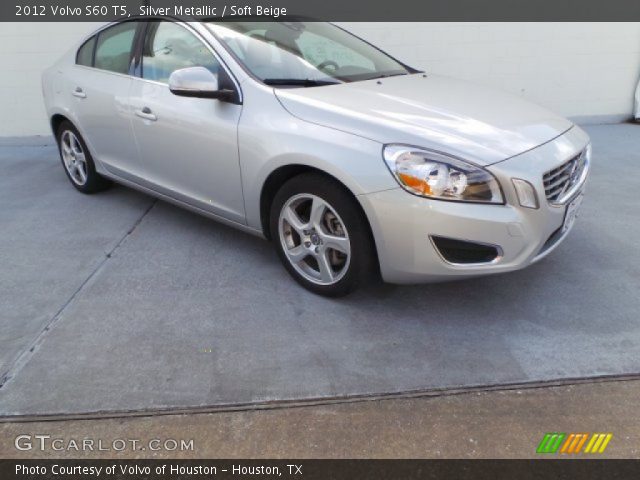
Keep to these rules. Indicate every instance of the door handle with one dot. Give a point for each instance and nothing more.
(78, 92)
(147, 114)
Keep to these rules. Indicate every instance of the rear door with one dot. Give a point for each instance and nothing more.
(99, 89)
(188, 146)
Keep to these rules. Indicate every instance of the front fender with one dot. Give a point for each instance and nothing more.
(354, 161)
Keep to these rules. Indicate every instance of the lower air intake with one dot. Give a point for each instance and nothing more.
(462, 252)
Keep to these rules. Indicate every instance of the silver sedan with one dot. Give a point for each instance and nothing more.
(352, 163)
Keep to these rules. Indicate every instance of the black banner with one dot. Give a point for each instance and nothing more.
(318, 469)
(326, 10)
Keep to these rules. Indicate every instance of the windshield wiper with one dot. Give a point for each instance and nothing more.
(387, 75)
(302, 82)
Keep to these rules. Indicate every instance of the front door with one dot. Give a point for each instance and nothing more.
(188, 146)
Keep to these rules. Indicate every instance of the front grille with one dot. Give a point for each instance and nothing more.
(561, 180)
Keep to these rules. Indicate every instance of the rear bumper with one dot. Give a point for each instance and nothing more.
(404, 225)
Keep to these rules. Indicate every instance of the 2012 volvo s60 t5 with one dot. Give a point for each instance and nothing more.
(351, 162)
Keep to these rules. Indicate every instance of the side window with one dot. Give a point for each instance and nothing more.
(85, 53)
(169, 47)
(113, 51)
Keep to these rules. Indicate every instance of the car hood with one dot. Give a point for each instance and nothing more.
(435, 112)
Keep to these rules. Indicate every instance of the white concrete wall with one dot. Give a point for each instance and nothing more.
(577, 69)
(25, 50)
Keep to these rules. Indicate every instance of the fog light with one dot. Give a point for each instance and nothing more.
(526, 193)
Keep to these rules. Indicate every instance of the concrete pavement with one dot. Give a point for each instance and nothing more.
(51, 242)
(114, 306)
(499, 424)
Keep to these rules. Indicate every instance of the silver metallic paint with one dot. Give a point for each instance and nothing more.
(214, 157)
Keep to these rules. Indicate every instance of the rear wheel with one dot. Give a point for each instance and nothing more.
(77, 161)
(321, 235)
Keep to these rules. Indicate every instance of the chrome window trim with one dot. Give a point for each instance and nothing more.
(125, 75)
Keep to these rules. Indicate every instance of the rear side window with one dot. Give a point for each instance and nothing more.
(85, 53)
(113, 50)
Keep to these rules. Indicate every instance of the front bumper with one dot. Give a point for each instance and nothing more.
(403, 224)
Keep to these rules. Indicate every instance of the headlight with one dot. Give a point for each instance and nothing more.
(435, 175)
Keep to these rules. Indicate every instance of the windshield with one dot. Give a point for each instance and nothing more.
(304, 53)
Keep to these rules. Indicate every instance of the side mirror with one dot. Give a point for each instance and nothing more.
(198, 82)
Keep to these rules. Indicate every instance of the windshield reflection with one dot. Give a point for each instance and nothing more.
(304, 53)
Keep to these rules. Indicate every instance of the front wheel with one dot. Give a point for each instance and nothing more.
(322, 235)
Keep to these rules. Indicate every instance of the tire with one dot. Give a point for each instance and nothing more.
(322, 235)
(77, 161)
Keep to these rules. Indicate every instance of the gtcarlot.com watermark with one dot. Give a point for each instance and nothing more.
(43, 443)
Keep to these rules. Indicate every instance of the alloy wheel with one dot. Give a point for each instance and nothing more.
(314, 239)
(73, 157)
